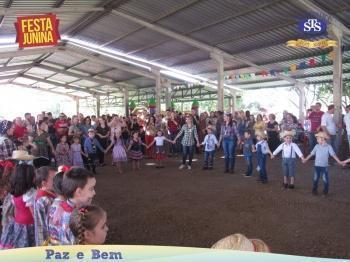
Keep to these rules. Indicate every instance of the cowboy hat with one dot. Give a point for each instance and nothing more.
(287, 133)
(21, 155)
(242, 243)
(91, 130)
(260, 133)
(322, 134)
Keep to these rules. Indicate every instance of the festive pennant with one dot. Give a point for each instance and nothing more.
(286, 70)
(293, 68)
(302, 65)
(264, 73)
(312, 62)
(331, 56)
(272, 72)
(252, 75)
(323, 57)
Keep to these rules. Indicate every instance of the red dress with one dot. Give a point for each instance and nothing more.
(149, 137)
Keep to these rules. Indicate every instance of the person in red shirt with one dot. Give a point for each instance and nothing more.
(173, 129)
(61, 126)
(19, 129)
(315, 120)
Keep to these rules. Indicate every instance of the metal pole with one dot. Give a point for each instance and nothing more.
(126, 102)
(77, 105)
(301, 89)
(337, 74)
(158, 90)
(98, 105)
(220, 68)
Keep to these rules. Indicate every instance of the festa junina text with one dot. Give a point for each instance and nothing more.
(37, 30)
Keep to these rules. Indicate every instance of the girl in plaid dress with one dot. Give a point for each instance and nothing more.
(135, 151)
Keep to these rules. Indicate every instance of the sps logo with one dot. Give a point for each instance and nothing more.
(312, 26)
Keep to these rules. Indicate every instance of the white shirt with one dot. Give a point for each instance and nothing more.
(347, 123)
(210, 141)
(289, 150)
(264, 146)
(159, 140)
(328, 121)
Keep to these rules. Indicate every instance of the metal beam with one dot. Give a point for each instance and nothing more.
(39, 10)
(44, 90)
(58, 3)
(196, 43)
(65, 72)
(50, 82)
(167, 14)
(311, 6)
(100, 59)
(7, 4)
(15, 67)
(27, 52)
(89, 19)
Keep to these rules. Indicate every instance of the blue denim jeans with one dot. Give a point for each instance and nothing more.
(209, 158)
(173, 147)
(288, 166)
(187, 151)
(312, 141)
(262, 166)
(321, 171)
(249, 162)
(229, 147)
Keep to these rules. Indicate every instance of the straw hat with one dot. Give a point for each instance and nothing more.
(242, 243)
(91, 130)
(21, 155)
(322, 134)
(260, 133)
(288, 133)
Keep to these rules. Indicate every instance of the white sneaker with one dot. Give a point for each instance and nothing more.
(189, 167)
(181, 167)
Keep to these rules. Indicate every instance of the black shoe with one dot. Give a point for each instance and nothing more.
(291, 187)
(226, 171)
(210, 168)
(205, 168)
(232, 171)
(285, 185)
(325, 193)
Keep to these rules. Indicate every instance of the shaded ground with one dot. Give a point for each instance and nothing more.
(196, 208)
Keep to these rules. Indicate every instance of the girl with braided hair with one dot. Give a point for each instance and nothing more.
(89, 225)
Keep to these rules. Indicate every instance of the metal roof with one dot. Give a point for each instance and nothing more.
(116, 52)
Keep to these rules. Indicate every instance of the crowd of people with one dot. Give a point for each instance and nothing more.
(45, 205)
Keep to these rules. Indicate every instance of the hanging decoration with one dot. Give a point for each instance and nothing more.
(195, 105)
(323, 43)
(152, 106)
(132, 105)
(311, 62)
(172, 106)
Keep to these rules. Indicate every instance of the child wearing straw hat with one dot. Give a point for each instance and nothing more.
(322, 151)
(242, 243)
(262, 149)
(209, 143)
(289, 152)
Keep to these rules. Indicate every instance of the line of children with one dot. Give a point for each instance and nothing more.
(160, 149)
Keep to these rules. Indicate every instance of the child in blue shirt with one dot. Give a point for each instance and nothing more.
(262, 149)
(209, 143)
(90, 148)
(248, 149)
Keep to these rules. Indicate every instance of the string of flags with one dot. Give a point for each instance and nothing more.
(286, 70)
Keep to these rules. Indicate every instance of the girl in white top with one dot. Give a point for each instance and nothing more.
(160, 150)
(289, 152)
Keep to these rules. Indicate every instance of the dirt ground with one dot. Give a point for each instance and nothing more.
(196, 208)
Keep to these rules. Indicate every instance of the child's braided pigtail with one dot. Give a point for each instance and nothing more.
(81, 229)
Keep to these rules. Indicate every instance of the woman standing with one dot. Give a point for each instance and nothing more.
(259, 125)
(102, 132)
(43, 141)
(149, 136)
(272, 132)
(6, 144)
(190, 133)
(229, 137)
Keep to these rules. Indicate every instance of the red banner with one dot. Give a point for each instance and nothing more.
(41, 30)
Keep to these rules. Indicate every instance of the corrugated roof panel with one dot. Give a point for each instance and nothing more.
(85, 3)
(63, 78)
(33, 3)
(24, 81)
(138, 40)
(85, 83)
(142, 82)
(40, 72)
(63, 59)
(107, 28)
(334, 5)
(195, 55)
(119, 75)
(150, 9)
(91, 67)
(20, 59)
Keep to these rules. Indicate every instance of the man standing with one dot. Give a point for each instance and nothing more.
(347, 122)
(328, 126)
(315, 120)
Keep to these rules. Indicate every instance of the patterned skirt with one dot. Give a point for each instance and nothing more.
(16, 235)
(160, 153)
(135, 155)
(119, 154)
